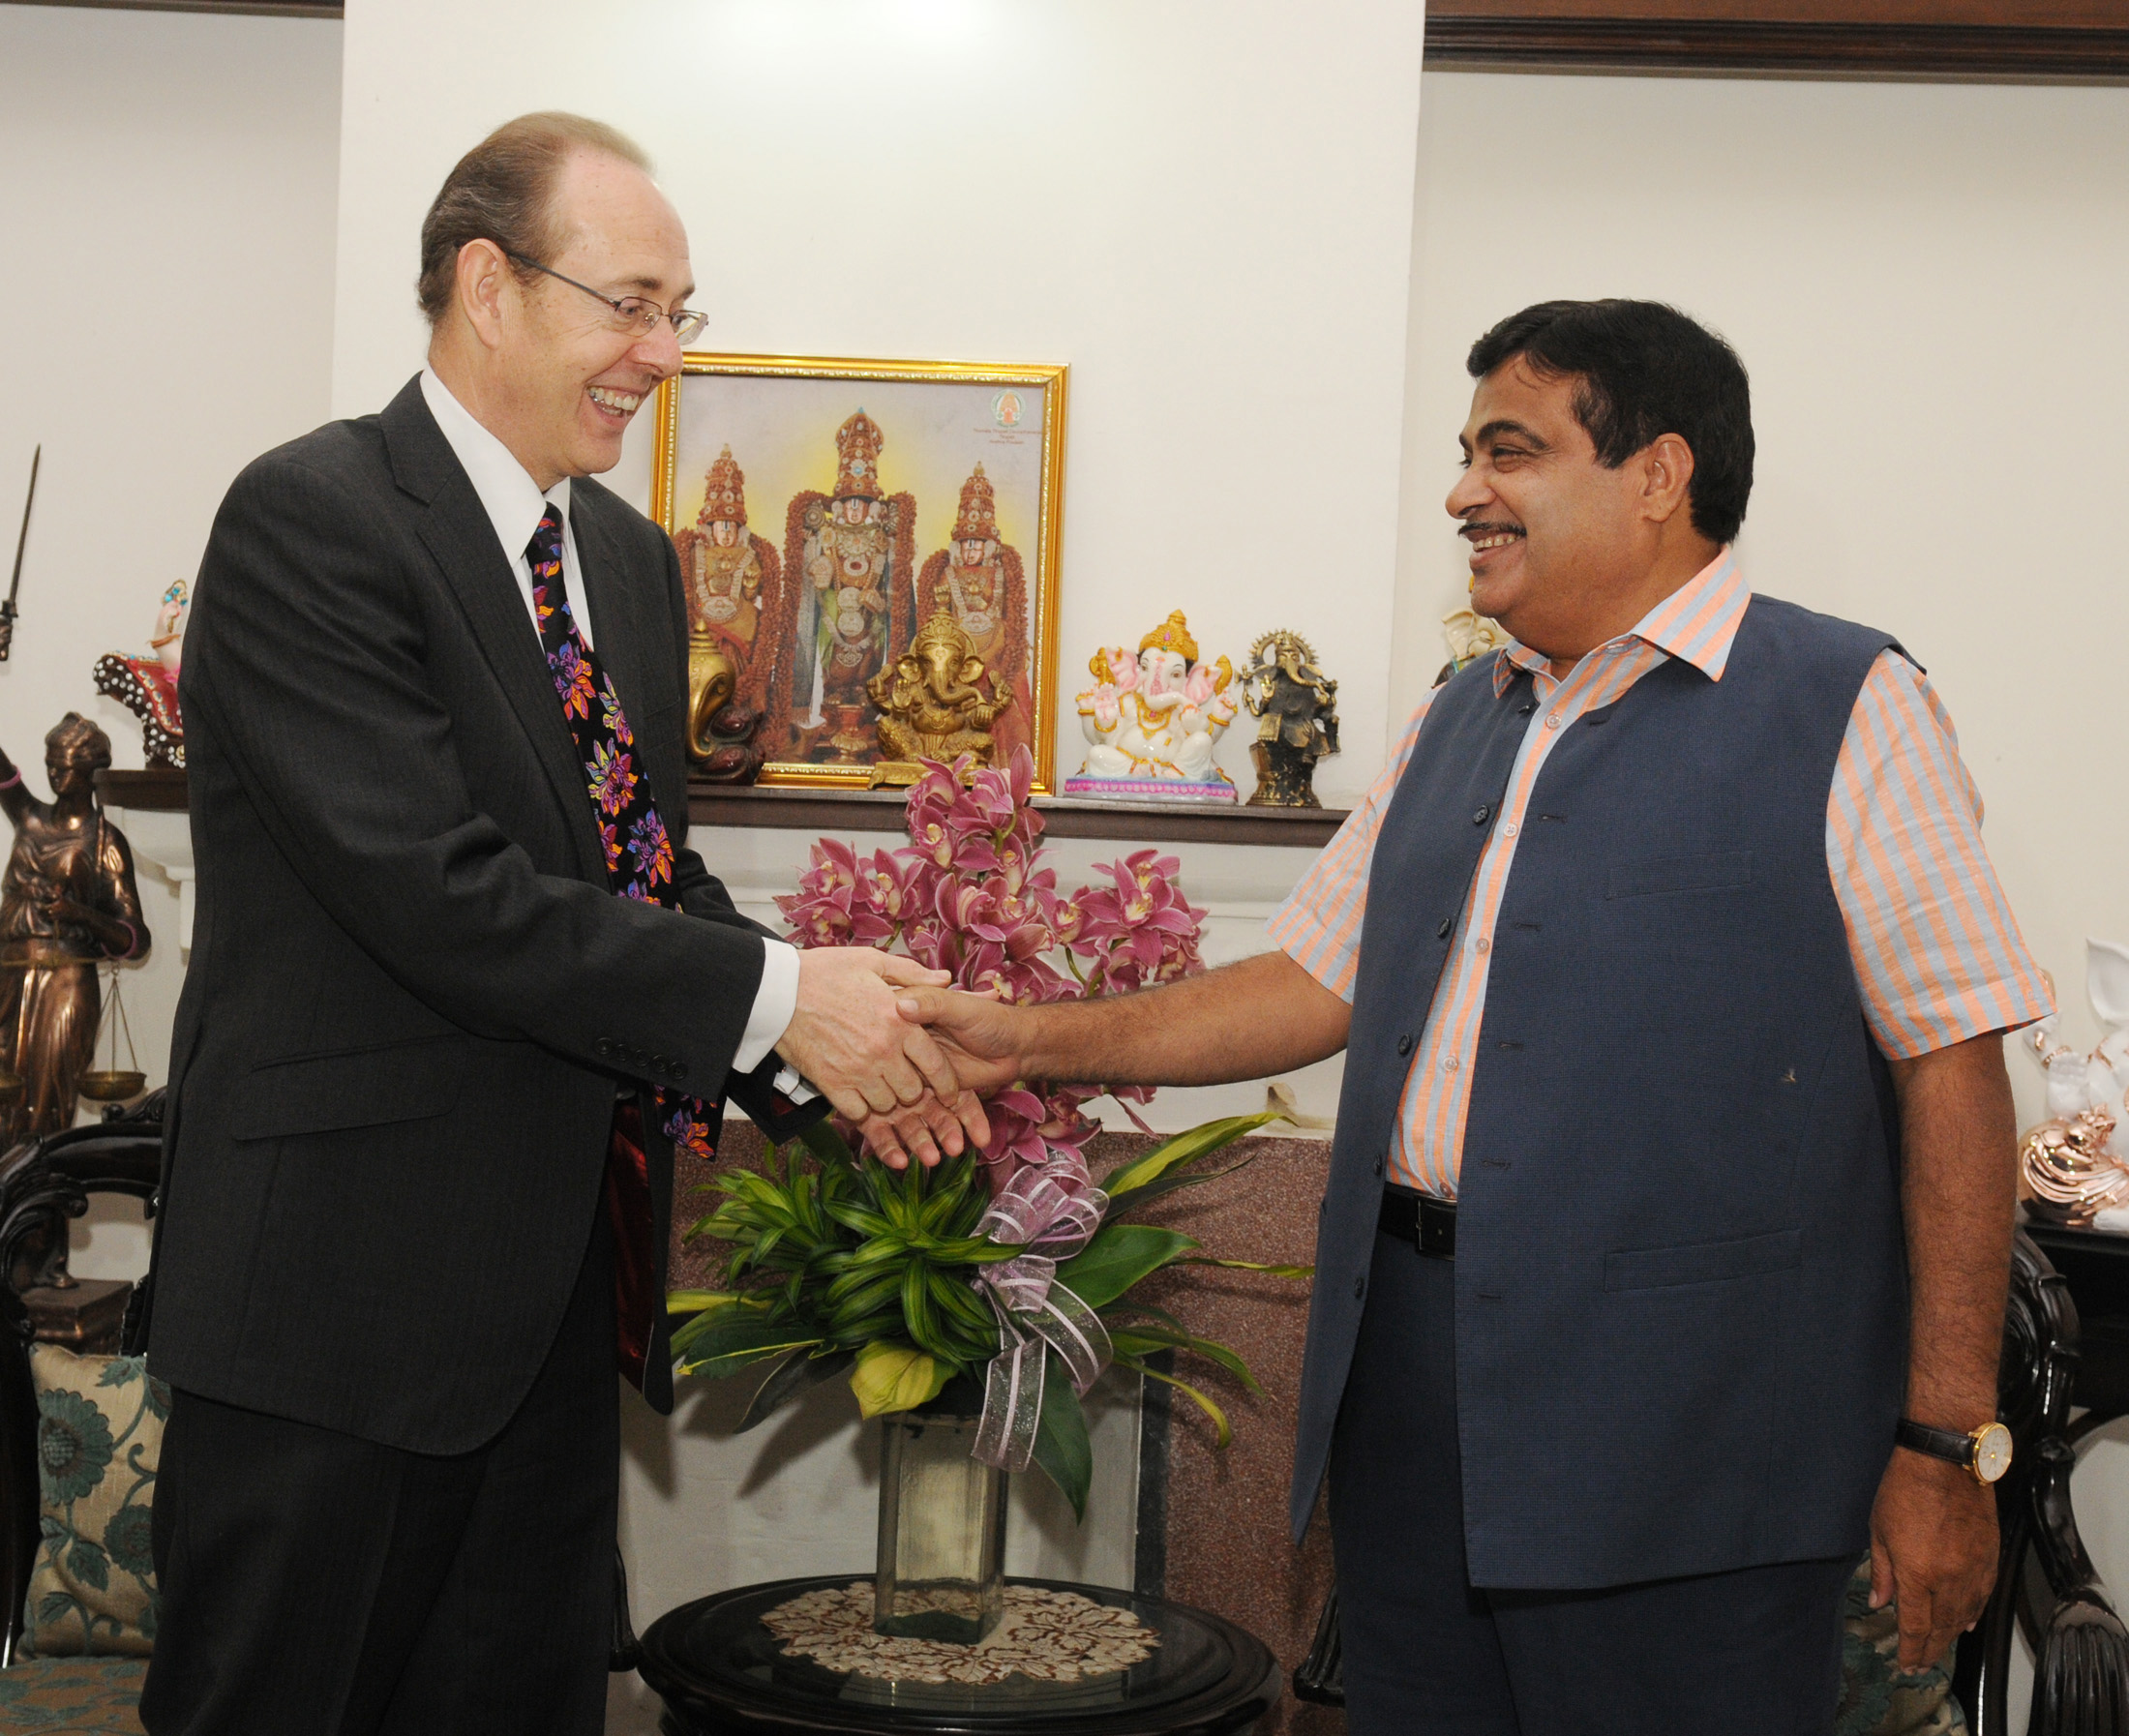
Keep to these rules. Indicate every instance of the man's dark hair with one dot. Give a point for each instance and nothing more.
(502, 191)
(1642, 370)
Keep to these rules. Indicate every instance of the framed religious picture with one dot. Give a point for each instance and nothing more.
(869, 550)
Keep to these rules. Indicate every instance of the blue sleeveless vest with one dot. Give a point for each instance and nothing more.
(1681, 1291)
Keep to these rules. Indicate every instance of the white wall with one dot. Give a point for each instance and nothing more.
(1924, 281)
(166, 195)
(1204, 208)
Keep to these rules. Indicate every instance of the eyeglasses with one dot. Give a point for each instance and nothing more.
(634, 313)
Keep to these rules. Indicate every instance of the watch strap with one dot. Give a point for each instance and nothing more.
(1937, 1443)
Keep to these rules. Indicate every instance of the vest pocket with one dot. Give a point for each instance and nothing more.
(1703, 1262)
(1714, 872)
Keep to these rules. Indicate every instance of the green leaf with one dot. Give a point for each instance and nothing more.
(743, 1332)
(1276, 1272)
(1188, 1147)
(895, 1377)
(787, 1379)
(1061, 1445)
(1224, 1435)
(693, 1302)
(828, 1145)
(1143, 1342)
(1116, 1258)
(1148, 1191)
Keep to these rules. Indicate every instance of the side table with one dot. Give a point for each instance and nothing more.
(2096, 1268)
(721, 1673)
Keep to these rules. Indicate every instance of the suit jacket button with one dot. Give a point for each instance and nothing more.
(1481, 817)
(604, 1048)
(678, 1070)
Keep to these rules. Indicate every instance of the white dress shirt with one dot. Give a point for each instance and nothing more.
(515, 507)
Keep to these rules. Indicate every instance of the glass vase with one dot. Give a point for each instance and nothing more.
(942, 1571)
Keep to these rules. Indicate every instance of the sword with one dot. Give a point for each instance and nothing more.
(21, 542)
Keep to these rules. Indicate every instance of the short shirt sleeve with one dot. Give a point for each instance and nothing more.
(1938, 958)
(1319, 926)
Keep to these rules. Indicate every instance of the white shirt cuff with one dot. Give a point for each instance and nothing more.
(774, 1003)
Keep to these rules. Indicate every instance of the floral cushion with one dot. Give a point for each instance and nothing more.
(1878, 1697)
(72, 1696)
(98, 1435)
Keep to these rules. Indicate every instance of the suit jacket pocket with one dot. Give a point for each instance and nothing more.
(1711, 873)
(370, 1086)
(1703, 1262)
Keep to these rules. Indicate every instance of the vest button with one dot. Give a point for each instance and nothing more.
(1359, 1288)
(1378, 1167)
(1481, 817)
(1442, 933)
(1404, 1044)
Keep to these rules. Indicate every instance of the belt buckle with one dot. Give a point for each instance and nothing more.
(1437, 1229)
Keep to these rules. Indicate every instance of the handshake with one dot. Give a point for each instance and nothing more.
(897, 1052)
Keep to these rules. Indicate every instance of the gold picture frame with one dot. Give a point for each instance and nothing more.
(864, 472)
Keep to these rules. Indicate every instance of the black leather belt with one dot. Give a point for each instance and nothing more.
(1428, 1224)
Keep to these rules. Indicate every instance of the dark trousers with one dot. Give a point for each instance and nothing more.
(315, 1584)
(1429, 1653)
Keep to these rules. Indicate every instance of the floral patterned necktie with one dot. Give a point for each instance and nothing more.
(639, 864)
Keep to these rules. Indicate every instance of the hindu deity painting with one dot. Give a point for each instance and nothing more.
(910, 490)
(736, 595)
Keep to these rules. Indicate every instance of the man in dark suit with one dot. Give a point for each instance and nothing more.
(457, 991)
(1663, 1255)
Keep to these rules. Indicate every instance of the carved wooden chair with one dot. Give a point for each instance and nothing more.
(43, 1186)
(2046, 1585)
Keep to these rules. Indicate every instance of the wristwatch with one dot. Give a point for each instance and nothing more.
(1986, 1453)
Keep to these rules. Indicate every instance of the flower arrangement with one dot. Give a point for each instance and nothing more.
(1012, 1266)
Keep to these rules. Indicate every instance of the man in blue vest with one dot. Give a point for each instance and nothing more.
(1673, 1175)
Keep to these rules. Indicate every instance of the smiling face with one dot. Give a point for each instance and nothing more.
(1562, 547)
(544, 367)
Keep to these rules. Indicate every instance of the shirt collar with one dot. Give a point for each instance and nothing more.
(1697, 622)
(512, 500)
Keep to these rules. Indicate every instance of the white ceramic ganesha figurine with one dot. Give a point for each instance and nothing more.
(1155, 718)
(2073, 1167)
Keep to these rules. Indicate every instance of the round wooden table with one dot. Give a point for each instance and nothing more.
(721, 1673)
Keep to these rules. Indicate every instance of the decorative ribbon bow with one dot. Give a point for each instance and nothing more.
(1052, 1210)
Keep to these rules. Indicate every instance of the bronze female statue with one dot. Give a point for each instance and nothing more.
(68, 902)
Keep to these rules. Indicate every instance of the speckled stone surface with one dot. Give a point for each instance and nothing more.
(1227, 1543)
(1228, 1548)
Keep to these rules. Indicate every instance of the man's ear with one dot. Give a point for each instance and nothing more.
(1666, 472)
(485, 278)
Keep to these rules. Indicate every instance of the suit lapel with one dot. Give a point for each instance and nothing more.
(457, 531)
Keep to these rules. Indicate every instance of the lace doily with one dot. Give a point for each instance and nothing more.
(1047, 1635)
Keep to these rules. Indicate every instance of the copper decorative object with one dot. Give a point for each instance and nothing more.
(68, 904)
(1296, 706)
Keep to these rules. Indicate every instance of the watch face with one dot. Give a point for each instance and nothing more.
(1992, 1452)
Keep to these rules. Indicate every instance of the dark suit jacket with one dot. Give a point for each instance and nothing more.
(411, 995)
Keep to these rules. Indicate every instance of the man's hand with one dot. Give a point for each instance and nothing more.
(1932, 1551)
(848, 1038)
(987, 1041)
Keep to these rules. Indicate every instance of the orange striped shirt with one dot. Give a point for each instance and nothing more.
(1938, 954)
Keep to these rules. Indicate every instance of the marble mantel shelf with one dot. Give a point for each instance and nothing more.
(162, 790)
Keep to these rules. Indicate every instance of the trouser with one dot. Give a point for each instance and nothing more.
(315, 1584)
(1426, 1652)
